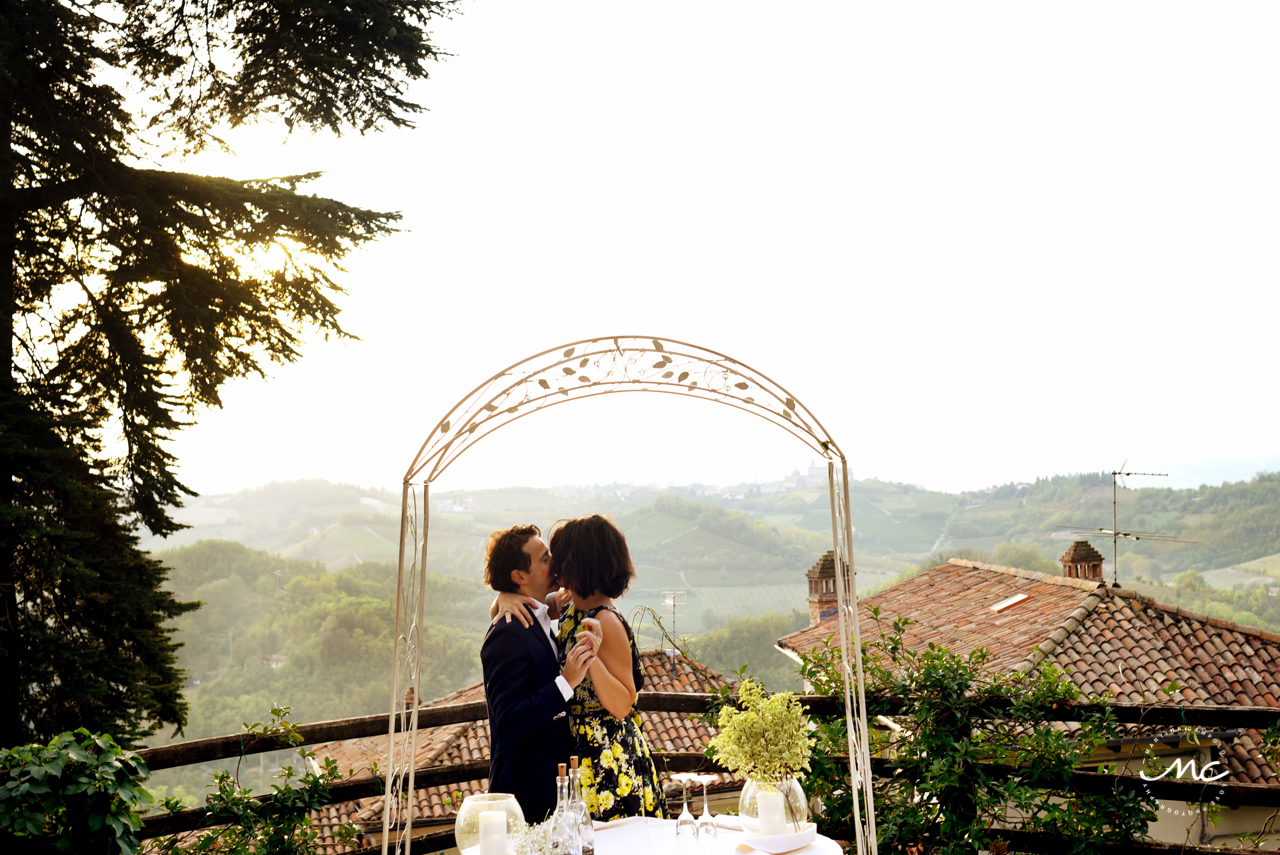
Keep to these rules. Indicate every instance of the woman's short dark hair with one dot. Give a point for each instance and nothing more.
(504, 553)
(590, 556)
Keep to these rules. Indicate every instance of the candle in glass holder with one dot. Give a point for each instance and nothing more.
(493, 832)
(769, 809)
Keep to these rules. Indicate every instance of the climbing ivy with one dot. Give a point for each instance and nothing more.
(958, 776)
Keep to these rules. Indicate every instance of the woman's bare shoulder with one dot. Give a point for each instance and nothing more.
(610, 620)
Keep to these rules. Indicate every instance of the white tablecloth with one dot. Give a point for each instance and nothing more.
(643, 835)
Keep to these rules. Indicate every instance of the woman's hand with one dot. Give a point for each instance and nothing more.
(580, 658)
(507, 604)
(591, 634)
(557, 602)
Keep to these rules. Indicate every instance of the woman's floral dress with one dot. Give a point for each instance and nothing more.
(618, 775)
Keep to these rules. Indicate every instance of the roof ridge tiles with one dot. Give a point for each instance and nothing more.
(1082, 584)
(1064, 630)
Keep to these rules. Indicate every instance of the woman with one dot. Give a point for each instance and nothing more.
(590, 559)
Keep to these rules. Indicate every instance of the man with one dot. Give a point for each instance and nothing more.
(527, 694)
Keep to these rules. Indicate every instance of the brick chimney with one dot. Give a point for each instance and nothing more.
(822, 588)
(1082, 561)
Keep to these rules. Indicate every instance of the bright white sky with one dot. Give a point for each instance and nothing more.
(982, 241)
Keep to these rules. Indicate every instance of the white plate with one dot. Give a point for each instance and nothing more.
(775, 844)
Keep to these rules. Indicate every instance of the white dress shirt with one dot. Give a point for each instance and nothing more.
(543, 617)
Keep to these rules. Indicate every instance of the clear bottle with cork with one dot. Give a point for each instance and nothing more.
(578, 808)
(564, 826)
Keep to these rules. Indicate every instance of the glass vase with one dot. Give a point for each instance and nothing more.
(466, 828)
(795, 807)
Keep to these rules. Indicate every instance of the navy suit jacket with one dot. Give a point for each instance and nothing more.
(529, 731)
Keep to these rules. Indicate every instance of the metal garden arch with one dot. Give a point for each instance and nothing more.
(584, 369)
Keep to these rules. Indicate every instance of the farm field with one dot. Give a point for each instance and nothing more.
(1266, 566)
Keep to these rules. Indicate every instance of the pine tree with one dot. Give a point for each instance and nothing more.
(134, 293)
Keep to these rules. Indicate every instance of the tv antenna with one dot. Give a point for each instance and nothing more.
(1116, 535)
(673, 604)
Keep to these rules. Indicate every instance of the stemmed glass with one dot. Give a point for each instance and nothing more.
(706, 824)
(686, 826)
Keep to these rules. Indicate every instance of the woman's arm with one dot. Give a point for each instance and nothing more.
(611, 673)
(506, 604)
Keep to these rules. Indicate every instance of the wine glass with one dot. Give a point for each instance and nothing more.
(686, 826)
(707, 835)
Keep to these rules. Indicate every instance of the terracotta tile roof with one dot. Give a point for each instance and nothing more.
(1106, 639)
(467, 741)
(951, 605)
(1135, 647)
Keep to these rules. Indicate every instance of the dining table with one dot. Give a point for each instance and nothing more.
(643, 835)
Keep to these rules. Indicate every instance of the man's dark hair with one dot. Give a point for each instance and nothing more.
(589, 556)
(504, 553)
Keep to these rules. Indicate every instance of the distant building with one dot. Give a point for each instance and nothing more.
(822, 588)
(462, 505)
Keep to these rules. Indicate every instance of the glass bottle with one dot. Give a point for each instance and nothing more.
(586, 831)
(564, 826)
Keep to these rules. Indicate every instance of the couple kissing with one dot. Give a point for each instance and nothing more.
(569, 689)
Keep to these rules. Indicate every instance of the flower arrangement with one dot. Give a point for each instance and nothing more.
(766, 740)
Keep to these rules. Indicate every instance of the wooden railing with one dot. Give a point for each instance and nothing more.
(1160, 715)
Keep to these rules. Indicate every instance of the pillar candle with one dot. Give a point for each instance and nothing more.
(493, 832)
(769, 809)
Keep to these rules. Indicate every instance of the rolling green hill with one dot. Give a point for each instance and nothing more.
(692, 540)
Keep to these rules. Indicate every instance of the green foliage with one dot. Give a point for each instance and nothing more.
(1188, 580)
(960, 773)
(334, 629)
(83, 793)
(752, 640)
(1247, 606)
(317, 65)
(79, 793)
(206, 561)
(1025, 557)
(83, 639)
(131, 295)
(767, 739)
(280, 824)
(711, 545)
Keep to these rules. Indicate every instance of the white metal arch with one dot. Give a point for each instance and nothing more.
(584, 369)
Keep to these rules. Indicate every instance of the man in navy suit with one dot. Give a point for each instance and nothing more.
(527, 694)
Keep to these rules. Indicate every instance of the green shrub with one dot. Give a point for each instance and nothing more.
(79, 793)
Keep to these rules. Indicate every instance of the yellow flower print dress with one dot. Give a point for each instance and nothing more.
(618, 775)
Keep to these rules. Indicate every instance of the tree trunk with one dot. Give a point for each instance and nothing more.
(11, 729)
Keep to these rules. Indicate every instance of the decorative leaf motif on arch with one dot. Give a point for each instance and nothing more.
(602, 366)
